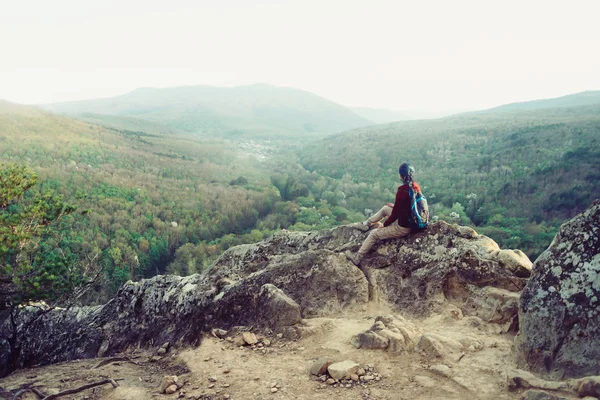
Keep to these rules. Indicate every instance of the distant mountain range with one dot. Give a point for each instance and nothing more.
(260, 109)
(589, 97)
(383, 115)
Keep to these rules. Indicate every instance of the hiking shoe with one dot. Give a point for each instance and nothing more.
(362, 226)
(355, 258)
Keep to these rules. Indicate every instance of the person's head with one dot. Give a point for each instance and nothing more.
(406, 172)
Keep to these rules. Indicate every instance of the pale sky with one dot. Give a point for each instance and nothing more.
(419, 55)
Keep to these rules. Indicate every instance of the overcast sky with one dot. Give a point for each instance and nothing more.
(420, 55)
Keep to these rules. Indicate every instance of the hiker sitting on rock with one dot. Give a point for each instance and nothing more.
(398, 215)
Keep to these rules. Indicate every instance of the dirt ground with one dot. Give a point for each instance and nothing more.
(220, 369)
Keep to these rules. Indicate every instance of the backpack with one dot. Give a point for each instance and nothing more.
(419, 211)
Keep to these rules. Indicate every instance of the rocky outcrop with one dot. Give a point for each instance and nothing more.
(273, 284)
(559, 310)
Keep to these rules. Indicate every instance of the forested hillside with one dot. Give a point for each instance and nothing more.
(514, 175)
(249, 111)
(150, 203)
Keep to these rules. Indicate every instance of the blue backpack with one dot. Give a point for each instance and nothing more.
(419, 214)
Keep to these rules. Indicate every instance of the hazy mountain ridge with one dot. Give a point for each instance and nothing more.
(586, 98)
(255, 109)
(384, 115)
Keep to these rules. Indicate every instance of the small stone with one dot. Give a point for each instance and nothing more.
(323, 378)
(361, 372)
(354, 377)
(161, 351)
(155, 358)
(279, 335)
(226, 396)
(165, 345)
(348, 385)
(226, 371)
(319, 367)
(343, 369)
(167, 381)
(220, 333)
(267, 342)
(274, 390)
(368, 378)
(250, 338)
(212, 385)
(239, 341)
(377, 378)
(274, 384)
(229, 339)
(171, 389)
(330, 381)
(212, 378)
(226, 385)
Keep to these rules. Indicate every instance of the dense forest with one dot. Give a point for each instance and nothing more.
(152, 198)
(515, 176)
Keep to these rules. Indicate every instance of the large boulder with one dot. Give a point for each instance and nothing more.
(559, 309)
(273, 284)
(446, 263)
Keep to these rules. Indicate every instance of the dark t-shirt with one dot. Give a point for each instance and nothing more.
(401, 210)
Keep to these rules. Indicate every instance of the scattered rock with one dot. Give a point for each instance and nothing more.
(212, 378)
(430, 346)
(330, 381)
(276, 309)
(249, 338)
(239, 341)
(218, 333)
(319, 367)
(388, 332)
(343, 369)
(167, 381)
(370, 340)
(171, 389)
